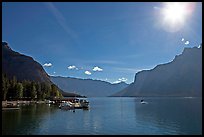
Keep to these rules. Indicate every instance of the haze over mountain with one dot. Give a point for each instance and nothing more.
(24, 67)
(88, 87)
(180, 77)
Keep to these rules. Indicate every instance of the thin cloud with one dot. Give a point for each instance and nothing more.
(61, 20)
(87, 72)
(47, 65)
(131, 70)
(127, 70)
(109, 62)
(97, 69)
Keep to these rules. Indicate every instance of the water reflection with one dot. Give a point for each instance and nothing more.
(25, 120)
(170, 115)
(109, 116)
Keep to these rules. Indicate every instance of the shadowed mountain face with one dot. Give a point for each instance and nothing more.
(21, 66)
(88, 87)
(181, 77)
(24, 67)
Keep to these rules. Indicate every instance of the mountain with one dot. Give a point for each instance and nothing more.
(88, 87)
(180, 77)
(24, 67)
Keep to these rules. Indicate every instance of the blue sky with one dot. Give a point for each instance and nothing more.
(118, 39)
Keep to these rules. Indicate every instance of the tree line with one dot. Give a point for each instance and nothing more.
(12, 89)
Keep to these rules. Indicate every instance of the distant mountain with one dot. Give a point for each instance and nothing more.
(88, 87)
(24, 67)
(181, 77)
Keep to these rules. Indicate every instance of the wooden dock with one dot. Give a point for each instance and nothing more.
(10, 108)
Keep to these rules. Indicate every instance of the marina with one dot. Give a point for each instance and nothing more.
(74, 103)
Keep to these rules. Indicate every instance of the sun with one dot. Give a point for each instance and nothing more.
(175, 14)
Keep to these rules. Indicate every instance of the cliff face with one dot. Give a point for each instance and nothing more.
(88, 87)
(181, 77)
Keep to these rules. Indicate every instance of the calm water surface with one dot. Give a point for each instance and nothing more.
(109, 116)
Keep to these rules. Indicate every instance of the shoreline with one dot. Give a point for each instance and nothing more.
(6, 104)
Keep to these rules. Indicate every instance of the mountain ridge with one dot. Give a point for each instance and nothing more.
(87, 87)
(182, 75)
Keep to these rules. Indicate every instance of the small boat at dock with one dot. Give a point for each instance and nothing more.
(74, 104)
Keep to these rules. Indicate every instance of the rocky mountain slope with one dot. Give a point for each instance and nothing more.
(180, 77)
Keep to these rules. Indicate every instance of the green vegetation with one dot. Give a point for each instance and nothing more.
(29, 90)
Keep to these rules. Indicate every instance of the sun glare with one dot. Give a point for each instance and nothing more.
(175, 14)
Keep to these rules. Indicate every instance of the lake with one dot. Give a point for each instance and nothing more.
(109, 116)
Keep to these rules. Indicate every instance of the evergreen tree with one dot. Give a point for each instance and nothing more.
(19, 90)
(53, 90)
(57, 93)
(5, 86)
(39, 91)
(45, 90)
(48, 90)
(43, 95)
(14, 82)
(25, 88)
(60, 95)
(33, 91)
(12, 88)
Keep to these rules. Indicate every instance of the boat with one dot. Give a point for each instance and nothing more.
(143, 102)
(66, 105)
(74, 104)
(49, 102)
